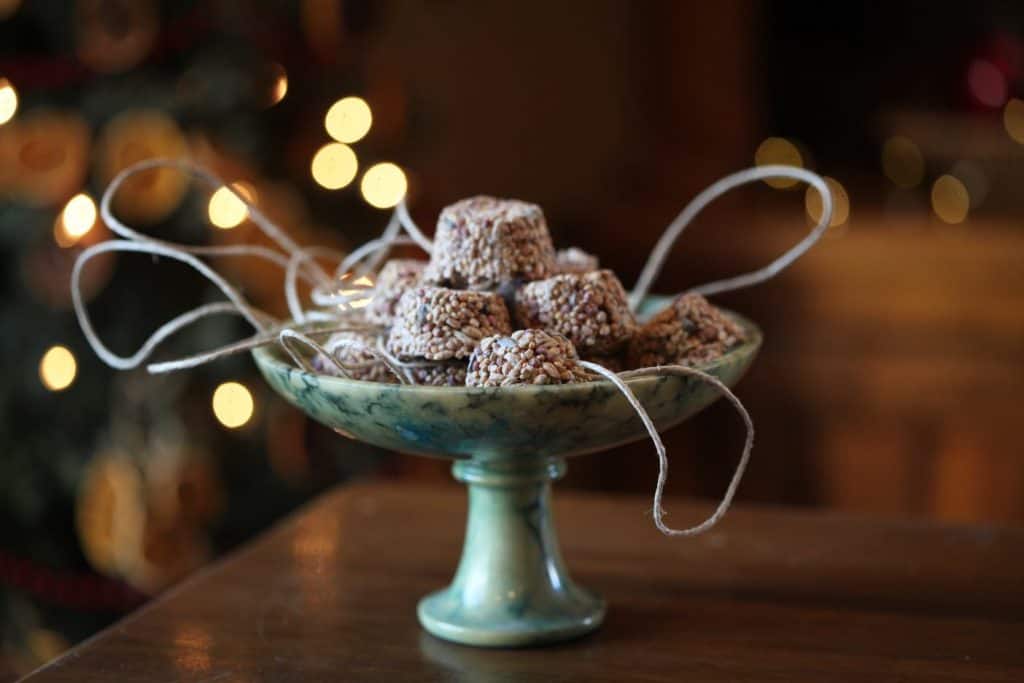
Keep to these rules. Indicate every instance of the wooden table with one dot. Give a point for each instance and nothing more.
(770, 595)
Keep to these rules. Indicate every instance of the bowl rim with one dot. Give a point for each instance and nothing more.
(270, 356)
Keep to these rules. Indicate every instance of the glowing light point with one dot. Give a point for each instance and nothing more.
(8, 101)
(383, 185)
(1013, 119)
(349, 119)
(58, 368)
(840, 203)
(226, 209)
(902, 162)
(781, 151)
(334, 166)
(950, 200)
(280, 87)
(232, 404)
(78, 216)
(987, 83)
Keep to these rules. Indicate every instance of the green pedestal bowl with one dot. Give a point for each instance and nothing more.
(508, 444)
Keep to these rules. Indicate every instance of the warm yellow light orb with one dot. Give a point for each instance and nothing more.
(1013, 119)
(950, 199)
(232, 404)
(349, 119)
(383, 185)
(840, 203)
(779, 151)
(79, 216)
(280, 87)
(8, 101)
(902, 162)
(334, 166)
(58, 368)
(226, 208)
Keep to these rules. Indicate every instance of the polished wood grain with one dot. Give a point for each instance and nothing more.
(772, 594)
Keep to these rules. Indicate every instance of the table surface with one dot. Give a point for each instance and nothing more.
(772, 594)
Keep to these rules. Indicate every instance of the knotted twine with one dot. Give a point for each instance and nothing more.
(300, 263)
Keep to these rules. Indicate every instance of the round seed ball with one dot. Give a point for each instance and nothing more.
(591, 309)
(394, 278)
(524, 357)
(689, 332)
(349, 349)
(436, 323)
(483, 242)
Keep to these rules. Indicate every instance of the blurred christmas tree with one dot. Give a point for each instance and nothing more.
(113, 485)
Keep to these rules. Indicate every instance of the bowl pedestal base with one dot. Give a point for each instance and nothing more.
(511, 588)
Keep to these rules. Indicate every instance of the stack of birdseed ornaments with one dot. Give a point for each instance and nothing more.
(496, 305)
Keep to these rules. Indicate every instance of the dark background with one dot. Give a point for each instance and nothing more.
(891, 376)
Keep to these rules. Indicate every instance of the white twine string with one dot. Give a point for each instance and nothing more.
(256, 341)
(257, 318)
(392, 364)
(659, 446)
(286, 336)
(268, 227)
(329, 352)
(299, 258)
(410, 227)
(656, 260)
(386, 238)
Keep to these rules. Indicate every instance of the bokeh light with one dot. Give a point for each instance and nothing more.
(58, 368)
(334, 166)
(232, 404)
(840, 203)
(1013, 119)
(383, 185)
(78, 216)
(279, 88)
(974, 178)
(778, 151)
(950, 200)
(349, 119)
(8, 101)
(987, 83)
(226, 208)
(902, 162)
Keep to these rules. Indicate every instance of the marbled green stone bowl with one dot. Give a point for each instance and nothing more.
(511, 588)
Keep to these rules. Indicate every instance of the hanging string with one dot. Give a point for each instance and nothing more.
(659, 446)
(410, 227)
(298, 258)
(267, 226)
(286, 336)
(386, 238)
(257, 318)
(256, 341)
(656, 260)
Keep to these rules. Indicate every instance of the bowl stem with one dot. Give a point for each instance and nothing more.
(511, 587)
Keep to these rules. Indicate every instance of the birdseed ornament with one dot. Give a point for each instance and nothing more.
(437, 323)
(483, 242)
(690, 331)
(397, 276)
(525, 357)
(591, 309)
(451, 326)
